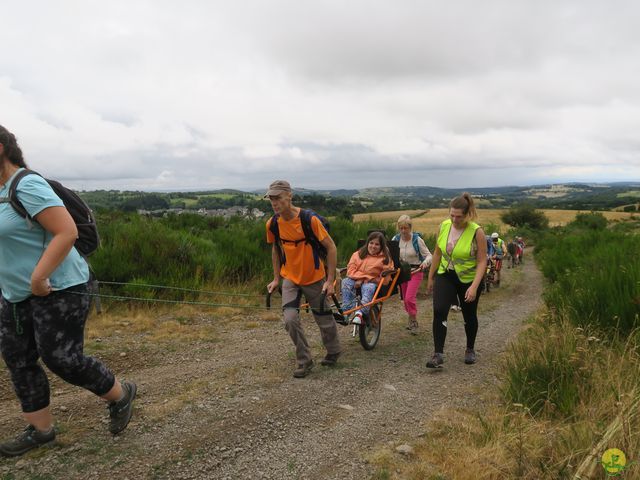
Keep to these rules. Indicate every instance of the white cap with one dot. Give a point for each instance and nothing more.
(494, 235)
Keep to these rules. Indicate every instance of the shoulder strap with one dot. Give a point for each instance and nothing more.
(273, 227)
(13, 192)
(305, 221)
(275, 230)
(309, 235)
(416, 246)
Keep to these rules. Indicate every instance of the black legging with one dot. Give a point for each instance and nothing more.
(446, 286)
(50, 328)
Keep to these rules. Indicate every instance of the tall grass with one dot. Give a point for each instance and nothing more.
(595, 278)
(191, 251)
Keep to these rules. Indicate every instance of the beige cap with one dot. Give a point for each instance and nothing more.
(277, 187)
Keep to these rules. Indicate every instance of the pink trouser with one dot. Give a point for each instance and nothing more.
(410, 291)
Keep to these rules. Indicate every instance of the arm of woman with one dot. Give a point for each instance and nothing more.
(354, 263)
(435, 263)
(424, 251)
(481, 266)
(58, 222)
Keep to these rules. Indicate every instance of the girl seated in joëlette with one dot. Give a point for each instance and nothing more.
(365, 271)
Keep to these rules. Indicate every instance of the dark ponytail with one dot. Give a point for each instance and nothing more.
(11, 149)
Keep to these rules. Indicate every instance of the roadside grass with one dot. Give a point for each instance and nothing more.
(183, 322)
(155, 328)
(506, 439)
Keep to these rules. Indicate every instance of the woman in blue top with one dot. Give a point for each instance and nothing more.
(44, 305)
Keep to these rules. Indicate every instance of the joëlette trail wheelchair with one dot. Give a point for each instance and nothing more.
(369, 331)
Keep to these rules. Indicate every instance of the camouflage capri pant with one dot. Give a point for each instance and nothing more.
(51, 328)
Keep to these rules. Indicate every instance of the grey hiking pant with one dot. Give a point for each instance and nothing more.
(291, 296)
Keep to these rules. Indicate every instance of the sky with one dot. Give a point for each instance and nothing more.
(200, 95)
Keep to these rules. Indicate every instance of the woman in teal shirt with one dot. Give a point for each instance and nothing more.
(44, 305)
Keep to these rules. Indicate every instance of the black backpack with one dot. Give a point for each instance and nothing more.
(319, 251)
(88, 239)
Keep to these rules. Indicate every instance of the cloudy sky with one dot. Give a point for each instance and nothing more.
(205, 94)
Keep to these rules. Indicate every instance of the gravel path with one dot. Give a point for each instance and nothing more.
(231, 409)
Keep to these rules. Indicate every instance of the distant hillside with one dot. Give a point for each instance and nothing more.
(573, 196)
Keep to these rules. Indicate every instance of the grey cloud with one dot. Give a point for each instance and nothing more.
(339, 166)
(375, 39)
(333, 94)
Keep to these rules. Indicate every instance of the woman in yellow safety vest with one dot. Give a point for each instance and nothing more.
(458, 267)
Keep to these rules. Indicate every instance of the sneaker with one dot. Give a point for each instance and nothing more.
(341, 319)
(330, 359)
(436, 361)
(357, 319)
(120, 412)
(456, 308)
(414, 328)
(303, 369)
(469, 356)
(29, 439)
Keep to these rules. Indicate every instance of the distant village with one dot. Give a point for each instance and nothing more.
(234, 211)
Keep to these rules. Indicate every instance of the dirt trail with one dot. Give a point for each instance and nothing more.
(231, 409)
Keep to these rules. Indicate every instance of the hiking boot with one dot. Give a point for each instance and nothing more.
(303, 369)
(469, 356)
(414, 327)
(436, 361)
(120, 412)
(330, 359)
(29, 439)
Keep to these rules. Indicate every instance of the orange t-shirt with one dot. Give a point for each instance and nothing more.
(299, 266)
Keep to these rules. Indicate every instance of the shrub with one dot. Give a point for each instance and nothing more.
(190, 251)
(525, 216)
(590, 221)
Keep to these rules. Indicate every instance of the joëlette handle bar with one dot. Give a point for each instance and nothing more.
(268, 296)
